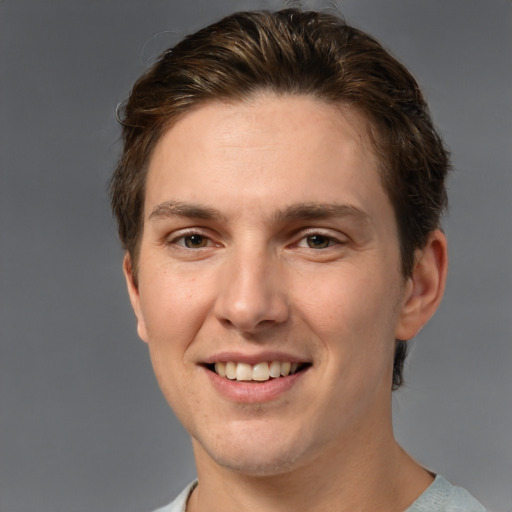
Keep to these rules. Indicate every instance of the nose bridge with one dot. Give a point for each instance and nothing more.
(252, 293)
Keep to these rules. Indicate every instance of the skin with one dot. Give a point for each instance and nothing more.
(268, 234)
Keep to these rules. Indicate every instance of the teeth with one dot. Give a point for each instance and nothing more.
(220, 368)
(259, 372)
(231, 370)
(243, 371)
(275, 369)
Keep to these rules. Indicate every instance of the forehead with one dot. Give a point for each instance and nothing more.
(266, 112)
(270, 150)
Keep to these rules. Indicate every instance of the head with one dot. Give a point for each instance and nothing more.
(291, 53)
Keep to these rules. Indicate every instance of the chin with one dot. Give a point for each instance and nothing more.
(255, 453)
(252, 464)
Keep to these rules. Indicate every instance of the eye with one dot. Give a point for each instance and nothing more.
(317, 241)
(195, 241)
(192, 241)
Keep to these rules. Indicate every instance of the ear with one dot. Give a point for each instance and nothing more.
(133, 292)
(424, 288)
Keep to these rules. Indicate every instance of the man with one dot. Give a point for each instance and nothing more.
(279, 199)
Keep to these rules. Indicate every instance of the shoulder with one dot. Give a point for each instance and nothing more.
(442, 496)
(180, 503)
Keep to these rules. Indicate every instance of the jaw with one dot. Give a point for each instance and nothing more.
(273, 438)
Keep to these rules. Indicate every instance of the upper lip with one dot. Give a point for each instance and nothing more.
(244, 357)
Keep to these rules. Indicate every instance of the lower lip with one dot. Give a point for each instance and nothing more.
(254, 392)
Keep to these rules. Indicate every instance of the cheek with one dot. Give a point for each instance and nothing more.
(353, 315)
(344, 299)
(171, 378)
(173, 305)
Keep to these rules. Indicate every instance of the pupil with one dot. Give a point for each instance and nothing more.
(318, 241)
(194, 241)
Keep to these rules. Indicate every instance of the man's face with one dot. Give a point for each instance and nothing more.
(269, 243)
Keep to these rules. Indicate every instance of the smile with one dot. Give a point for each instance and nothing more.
(259, 372)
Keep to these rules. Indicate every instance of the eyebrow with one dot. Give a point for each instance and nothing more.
(171, 209)
(319, 211)
(295, 212)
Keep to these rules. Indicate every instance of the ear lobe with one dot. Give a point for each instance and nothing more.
(425, 287)
(133, 293)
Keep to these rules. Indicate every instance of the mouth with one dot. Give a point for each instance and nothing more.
(259, 372)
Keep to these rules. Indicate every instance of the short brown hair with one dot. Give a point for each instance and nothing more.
(291, 52)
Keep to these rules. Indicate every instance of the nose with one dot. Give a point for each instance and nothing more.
(252, 293)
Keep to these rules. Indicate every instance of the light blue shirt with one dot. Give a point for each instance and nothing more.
(440, 496)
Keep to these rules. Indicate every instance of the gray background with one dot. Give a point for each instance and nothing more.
(83, 426)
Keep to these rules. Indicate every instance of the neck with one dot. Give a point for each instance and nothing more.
(361, 474)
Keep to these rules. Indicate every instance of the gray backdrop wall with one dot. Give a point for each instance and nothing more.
(83, 426)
